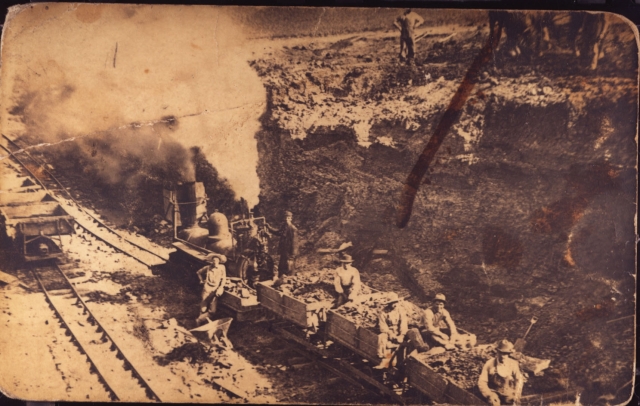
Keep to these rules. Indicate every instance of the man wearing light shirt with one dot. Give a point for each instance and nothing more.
(434, 319)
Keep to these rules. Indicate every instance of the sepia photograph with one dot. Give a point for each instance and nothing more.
(317, 205)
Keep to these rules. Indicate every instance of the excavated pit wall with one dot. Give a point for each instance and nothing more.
(539, 197)
(544, 210)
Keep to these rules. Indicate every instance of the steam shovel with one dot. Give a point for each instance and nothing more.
(520, 342)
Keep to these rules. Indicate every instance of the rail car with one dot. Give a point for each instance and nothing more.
(33, 224)
(362, 343)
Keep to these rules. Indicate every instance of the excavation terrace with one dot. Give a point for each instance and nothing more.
(526, 211)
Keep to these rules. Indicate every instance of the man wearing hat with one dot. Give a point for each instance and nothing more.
(392, 320)
(347, 281)
(212, 277)
(288, 245)
(262, 268)
(501, 380)
(434, 319)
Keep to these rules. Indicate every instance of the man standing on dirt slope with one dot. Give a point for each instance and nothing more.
(407, 23)
(288, 245)
(347, 281)
(432, 321)
(212, 277)
(501, 380)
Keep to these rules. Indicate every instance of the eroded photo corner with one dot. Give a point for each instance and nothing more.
(317, 205)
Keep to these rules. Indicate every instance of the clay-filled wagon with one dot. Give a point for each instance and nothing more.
(35, 228)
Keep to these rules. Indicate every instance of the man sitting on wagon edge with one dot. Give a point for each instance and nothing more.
(392, 320)
(432, 320)
(347, 281)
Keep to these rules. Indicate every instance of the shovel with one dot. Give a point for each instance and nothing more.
(520, 342)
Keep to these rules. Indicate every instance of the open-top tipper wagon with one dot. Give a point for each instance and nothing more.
(34, 223)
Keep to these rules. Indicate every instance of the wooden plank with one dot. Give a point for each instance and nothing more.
(10, 199)
(545, 398)
(201, 255)
(458, 396)
(236, 302)
(295, 310)
(270, 298)
(368, 342)
(44, 209)
(6, 278)
(229, 388)
(426, 380)
(342, 330)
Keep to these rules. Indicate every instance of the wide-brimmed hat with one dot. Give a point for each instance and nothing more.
(505, 346)
(440, 298)
(213, 255)
(346, 258)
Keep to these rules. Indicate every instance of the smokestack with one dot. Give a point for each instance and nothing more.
(186, 194)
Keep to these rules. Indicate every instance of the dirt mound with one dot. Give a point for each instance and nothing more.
(193, 352)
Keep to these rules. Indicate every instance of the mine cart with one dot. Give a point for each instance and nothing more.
(444, 383)
(290, 308)
(437, 387)
(36, 228)
(360, 340)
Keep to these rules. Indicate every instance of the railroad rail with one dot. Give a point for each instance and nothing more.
(89, 223)
(115, 370)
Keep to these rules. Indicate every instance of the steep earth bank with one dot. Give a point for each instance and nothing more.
(527, 210)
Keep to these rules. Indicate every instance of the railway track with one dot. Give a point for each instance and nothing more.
(47, 181)
(116, 372)
(345, 365)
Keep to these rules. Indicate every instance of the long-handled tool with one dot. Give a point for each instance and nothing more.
(520, 342)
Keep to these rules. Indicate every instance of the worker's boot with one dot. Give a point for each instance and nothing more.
(384, 363)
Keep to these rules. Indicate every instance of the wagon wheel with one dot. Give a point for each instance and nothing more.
(241, 268)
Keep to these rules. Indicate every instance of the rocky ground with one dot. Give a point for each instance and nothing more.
(526, 211)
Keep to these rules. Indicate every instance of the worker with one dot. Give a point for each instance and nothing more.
(393, 325)
(347, 281)
(434, 319)
(407, 23)
(213, 278)
(501, 380)
(287, 246)
(262, 268)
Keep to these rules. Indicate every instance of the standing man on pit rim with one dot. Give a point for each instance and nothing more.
(407, 23)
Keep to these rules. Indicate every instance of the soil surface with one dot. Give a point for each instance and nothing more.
(526, 211)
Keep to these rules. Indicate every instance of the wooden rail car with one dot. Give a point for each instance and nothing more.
(302, 314)
(35, 228)
(435, 386)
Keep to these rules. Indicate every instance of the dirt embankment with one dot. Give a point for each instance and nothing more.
(527, 210)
